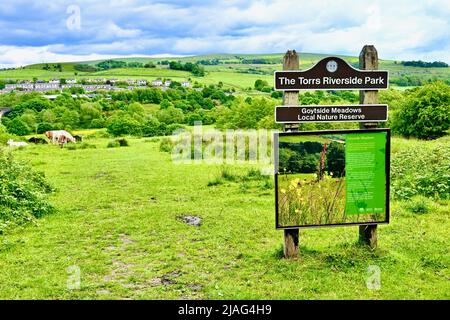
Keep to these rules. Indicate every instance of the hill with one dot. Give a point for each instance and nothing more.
(238, 71)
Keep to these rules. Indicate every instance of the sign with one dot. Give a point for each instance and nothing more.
(331, 113)
(331, 73)
(329, 178)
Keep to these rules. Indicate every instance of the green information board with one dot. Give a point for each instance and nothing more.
(332, 177)
(365, 165)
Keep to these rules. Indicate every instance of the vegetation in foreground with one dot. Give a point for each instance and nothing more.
(118, 221)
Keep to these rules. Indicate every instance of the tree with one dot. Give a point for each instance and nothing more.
(89, 112)
(261, 84)
(336, 159)
(123, 124)
(151, 127)
(43, 127)
(135, 108)
(425, 113)
(18, 127)
(170, 115)
(70, 119)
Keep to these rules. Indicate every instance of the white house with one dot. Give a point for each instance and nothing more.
(46, 86)
(167, 83)
(157, 83)
(185, 84)
(57, 81)
(141, 82)
(71, 81)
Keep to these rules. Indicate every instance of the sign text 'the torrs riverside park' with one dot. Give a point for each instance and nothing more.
(331, 73)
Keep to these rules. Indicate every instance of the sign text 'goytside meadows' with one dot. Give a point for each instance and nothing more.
(331, 113)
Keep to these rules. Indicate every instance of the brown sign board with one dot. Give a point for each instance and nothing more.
(332, 113)
(331, 73)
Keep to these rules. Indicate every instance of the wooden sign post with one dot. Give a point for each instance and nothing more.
(291, 236)
(333, 73)
(368, 60)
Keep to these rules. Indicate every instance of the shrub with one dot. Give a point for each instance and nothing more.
(215, 182)
(18, 127)
(124, 125)
(151, 127)
(425, 114)
(123, 142)
(166, 145)
(4, 135)
(118, 143)
(22, 193)
(421, 171)
(419, 205)
(43, 127)
(113, 144)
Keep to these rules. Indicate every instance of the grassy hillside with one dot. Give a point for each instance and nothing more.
(119, 223)
(229, 70)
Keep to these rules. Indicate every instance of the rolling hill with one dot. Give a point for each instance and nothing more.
(238, 71)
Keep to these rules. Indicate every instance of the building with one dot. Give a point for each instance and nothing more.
(19, 86)
(141, 82)
(44, 86)
(167, 83)
(71, 81)
(157, 83)
(53, 81)
(95, 87)
(185, 84)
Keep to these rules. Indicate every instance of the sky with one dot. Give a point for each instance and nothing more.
(76, 30)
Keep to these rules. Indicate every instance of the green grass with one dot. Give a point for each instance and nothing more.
(119, 222)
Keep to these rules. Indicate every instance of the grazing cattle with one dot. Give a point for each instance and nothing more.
(37, 140)
(59, 136)
(13, 143)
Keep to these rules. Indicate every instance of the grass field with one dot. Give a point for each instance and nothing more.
(118, 222)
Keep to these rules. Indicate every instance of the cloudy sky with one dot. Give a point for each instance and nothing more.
(40, 30)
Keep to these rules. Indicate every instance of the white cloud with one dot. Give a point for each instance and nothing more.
(20, 56)
(399, 29)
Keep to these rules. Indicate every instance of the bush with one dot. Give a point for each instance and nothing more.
(113, 144)
(124, 125)
(123, 142)
(118, 143)
(151, 127)
(419, 205)
(421, 171)
(18, 127)
(43, 127)
(425, 114)
(166, 145)
(4, 135)
(22, 193)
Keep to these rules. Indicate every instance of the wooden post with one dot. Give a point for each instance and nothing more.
(291, 236)
(368, 60)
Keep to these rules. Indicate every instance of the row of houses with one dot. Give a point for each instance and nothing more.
(55, 85)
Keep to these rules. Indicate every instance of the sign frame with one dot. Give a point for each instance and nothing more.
(345, 131)
(332, 87)
(330, 106)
